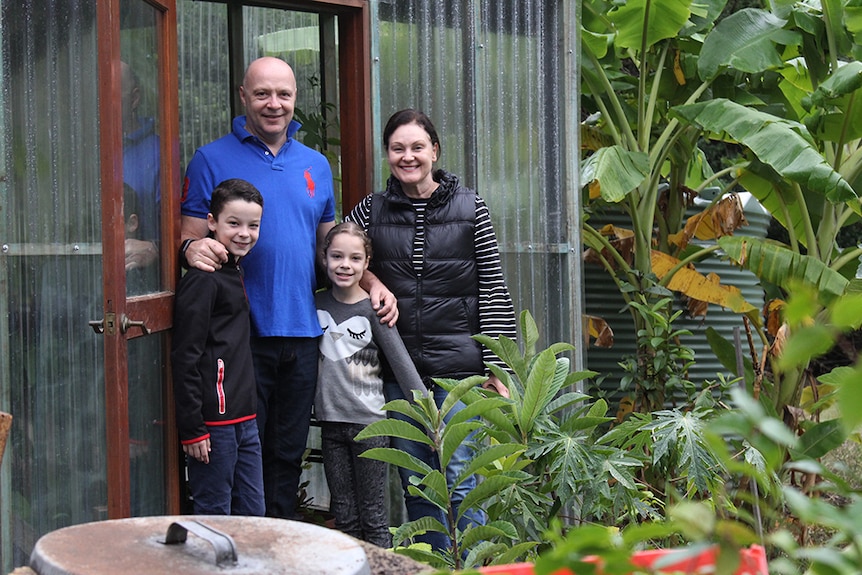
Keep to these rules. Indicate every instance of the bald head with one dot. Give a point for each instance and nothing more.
(268, 93)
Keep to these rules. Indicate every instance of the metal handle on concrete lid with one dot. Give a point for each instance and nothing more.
(223, 544)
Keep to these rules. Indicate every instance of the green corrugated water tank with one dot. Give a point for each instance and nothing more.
(602, 299)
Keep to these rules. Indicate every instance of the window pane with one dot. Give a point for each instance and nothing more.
(141, 131)
(141, 62)
(54, 468)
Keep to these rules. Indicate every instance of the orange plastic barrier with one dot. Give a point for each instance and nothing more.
(752, 561)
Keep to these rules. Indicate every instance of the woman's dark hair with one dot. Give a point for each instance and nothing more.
(230, 190)
(410, 116)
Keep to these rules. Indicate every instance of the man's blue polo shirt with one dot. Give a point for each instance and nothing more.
(297, 197)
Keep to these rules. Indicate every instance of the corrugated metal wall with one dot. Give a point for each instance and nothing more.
(496, 78)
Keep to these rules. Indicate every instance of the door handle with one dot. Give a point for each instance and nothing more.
(109, 324)
(126, 324)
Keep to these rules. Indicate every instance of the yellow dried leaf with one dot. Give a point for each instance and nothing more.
(781, 335)
(772, 312)
(621, 239)
(598, 329)
(677, 70)
(695, 285)
(720, 219)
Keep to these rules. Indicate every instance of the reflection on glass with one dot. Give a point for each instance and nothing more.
(139, 51)
(141, 176)
(146, 426)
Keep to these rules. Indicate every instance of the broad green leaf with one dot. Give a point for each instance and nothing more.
(805, 344)
(479, 408)
(411, 529)
(846, 80)
(394, 428)
(778, 198)
(568, 399)
(846, 312)
(506, 349)
(663, 20)
(849, 382)
(539, 381)
(596, 43)
(453, 436)
(492, 530)
(435, 490)
(581, 423)
(614, 172)
(422, 553)
(516, 552)
(460, 389)
(481, 553)
(414, 410)
(529, 333)
(796, 158)
(820, 440)
(745, 41)
(782, 266)
(485, 489)
(488, 455)
(397, 457)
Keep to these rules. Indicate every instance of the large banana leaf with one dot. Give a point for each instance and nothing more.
(784, 267)
(613, 172)
(745, 41)
(783, 145)
(663, 18)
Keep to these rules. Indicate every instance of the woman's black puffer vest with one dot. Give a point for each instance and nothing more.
(439, 308)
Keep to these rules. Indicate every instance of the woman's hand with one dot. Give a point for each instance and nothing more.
(382, 300)
(494, 384)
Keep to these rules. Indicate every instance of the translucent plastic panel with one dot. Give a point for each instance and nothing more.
(489, 74)
(51, 362)
(204, 62)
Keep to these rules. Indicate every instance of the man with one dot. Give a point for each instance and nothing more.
(141, 174)
(296, 183)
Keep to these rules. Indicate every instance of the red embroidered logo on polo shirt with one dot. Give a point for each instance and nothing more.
(309, 182)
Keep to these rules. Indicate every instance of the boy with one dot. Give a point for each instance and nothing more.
(214, 385)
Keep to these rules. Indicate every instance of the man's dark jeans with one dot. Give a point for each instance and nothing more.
(286, 372)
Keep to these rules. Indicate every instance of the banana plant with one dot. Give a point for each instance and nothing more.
(659, 77)
(810, 182)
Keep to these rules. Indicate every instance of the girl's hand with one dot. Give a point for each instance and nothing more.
(199, 450)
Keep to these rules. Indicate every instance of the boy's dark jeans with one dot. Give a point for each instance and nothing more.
(232, 482)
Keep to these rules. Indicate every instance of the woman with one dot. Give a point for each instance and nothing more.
(436, 251)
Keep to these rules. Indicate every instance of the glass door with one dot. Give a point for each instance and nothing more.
(139, 230)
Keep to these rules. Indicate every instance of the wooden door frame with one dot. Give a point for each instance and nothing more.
(354, 41)
(156, 309)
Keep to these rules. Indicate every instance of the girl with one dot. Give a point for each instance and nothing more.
(350, 387)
